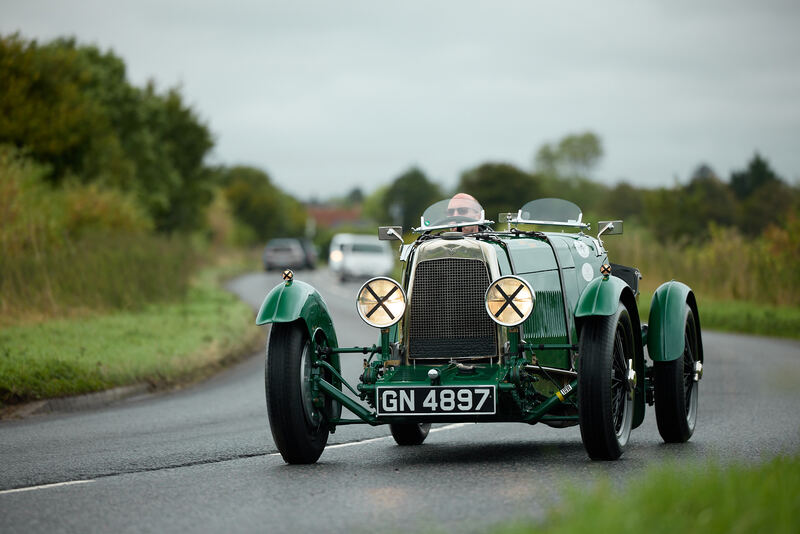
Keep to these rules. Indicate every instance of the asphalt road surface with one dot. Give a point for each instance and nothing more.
(203, 459)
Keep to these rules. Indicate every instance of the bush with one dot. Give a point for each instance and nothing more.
(97, 272)
(78, 248)
(728, 266)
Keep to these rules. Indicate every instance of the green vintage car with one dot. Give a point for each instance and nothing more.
(530, 323)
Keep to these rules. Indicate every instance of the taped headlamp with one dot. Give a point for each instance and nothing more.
(510, 300)
(381, 302)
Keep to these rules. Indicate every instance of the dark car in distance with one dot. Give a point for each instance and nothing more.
(288, 253)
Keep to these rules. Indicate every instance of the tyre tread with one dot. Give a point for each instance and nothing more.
(297, 443)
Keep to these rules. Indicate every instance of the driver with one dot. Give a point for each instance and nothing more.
(464, 205)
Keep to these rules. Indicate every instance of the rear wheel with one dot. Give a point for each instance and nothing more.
(605, 402)
(299, 428)
(676, 390)
(410, 433)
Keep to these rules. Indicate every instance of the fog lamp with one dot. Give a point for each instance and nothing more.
(510, 300)
(381, 302)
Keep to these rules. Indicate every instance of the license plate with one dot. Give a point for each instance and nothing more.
(436, 400)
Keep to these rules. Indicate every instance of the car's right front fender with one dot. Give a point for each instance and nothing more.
(296, 300)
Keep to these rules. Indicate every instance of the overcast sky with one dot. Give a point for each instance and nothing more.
(327, 96)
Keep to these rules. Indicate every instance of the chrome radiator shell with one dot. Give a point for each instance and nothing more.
(446, 318)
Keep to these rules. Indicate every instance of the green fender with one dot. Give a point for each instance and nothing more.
(667, 319)
(602, 297)
(294, 300)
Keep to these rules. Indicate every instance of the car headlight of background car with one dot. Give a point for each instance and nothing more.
(510, 300)
(381, 302)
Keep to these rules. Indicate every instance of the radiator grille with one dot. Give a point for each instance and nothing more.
(447, 317)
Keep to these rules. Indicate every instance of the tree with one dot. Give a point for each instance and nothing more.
(374, 205)
(355, 196)
(499, 187)
(757, 174)
(688, 211)
(261, 206)
(71, 107)
(622, 202)
(43, 106)
(575, 156)
(770, 204)
(765, 197)
(710, 199)
(408, 196)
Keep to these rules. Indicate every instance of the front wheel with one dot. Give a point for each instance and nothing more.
(676, 389)
(605, 399)
(410, 433)
(299, 428)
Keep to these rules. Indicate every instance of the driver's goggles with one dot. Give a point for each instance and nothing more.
(461, 211)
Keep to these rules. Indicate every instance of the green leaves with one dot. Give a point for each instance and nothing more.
(261, 206)
(407, 197)
(72, 108)
(499, 187)
(574, 156)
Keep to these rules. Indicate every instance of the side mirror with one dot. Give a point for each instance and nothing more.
(609, 228)
(389, 233)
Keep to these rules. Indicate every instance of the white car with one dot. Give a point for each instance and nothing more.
(360, 256)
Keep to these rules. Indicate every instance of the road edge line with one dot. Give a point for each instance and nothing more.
(46, 486)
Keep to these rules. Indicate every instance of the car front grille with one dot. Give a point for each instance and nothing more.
(447, 317)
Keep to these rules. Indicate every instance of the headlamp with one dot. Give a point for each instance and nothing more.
(381, 302)
(510, 300)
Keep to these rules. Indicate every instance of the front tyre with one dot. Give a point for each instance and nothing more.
(410, 433)
(676, 390)
(605, 402)
(298, 427)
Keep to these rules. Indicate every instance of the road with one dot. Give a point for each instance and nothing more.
(203, 459)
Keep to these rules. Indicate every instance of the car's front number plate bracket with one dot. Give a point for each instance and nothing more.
(436, 400)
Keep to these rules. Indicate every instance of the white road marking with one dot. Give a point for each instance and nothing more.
(338, 446)
(372, 440)
(450, 427)
(46, 486)
(352, 443)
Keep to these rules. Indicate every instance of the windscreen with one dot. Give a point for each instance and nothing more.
(367, 248)
(551, 210)
(452, 213)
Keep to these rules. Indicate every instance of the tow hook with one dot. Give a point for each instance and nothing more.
(631, 379)
(698, 371)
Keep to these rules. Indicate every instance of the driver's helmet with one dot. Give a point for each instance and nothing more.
(464, 205)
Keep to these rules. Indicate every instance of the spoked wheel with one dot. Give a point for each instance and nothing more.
(410, 433)
(676, 390)
(299, 428)
(605, 401)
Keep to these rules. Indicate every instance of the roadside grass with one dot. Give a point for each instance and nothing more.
(98, 272)
(161, 344)
(706, 499)
(742, 317)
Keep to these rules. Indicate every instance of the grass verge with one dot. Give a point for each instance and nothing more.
(163, 344)
(741, 317)
(708, 500)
